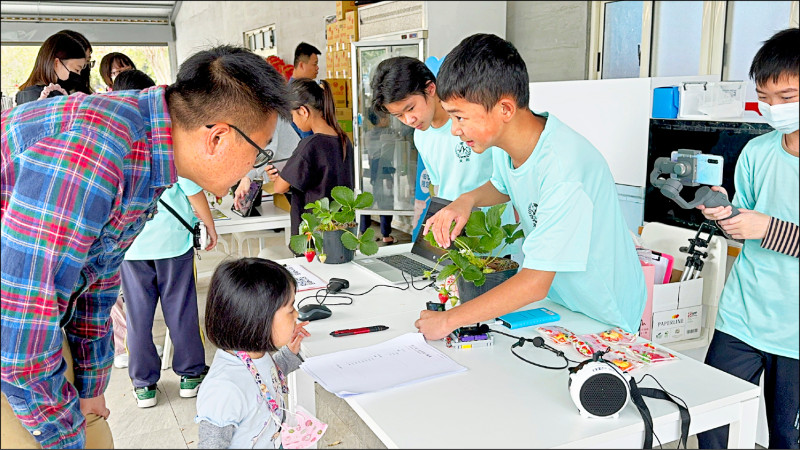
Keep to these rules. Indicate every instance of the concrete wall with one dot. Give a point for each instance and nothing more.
(200, 24)
(450, 22)
(552, 38)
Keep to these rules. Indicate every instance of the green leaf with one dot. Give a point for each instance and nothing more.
(368, 248)
(364, 200)
(447, 271)
(479, 282)
(344, 216)
(458, 259)
(491, 242)
(476, 225)
(324, 203)
(518, 235)
(335, 206)
(493, 215)
(349, 240)
(298, 243)
(469, 242)
(431, 240)
(343, 195)
(472, 273)
(317, 237)
(311, 220)
(368, 236)
(510, 228)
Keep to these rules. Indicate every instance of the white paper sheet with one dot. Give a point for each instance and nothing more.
(304, 278)
(397, 362)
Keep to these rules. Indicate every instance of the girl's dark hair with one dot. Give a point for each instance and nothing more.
(778, 56)
(85, 86)
(59, 45)
(108, 62)
(482, 69)
(133, 79)
(398, 78)
(243, 297)
(306, 92)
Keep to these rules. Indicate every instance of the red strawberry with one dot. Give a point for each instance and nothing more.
(443, 297)
(310, 255)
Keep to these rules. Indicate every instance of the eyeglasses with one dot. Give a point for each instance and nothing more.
(264, 154)
(90, 64)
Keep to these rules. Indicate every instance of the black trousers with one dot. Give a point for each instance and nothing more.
(735, 357)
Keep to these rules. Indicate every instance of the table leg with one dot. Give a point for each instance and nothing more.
(742, 434)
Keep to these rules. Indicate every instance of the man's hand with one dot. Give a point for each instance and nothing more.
(717, 212)
(458, 211)
(748, 224)
(241, 192)
(433, 324)
(95, 405)
(297, 337)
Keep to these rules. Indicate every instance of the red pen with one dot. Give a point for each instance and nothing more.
(358, 330)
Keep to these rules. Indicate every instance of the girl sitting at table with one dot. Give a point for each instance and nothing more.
(250, 315)
(321, 161)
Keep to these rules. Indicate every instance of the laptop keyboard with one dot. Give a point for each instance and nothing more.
(406, 264)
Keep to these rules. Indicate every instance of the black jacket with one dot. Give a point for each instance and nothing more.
(32, 93)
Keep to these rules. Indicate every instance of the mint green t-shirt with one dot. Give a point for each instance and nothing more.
(455, 169)
(573, 224)
(164, 236)
(759, 303)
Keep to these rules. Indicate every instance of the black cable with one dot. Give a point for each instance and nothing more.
(521, 341)
(349, 295)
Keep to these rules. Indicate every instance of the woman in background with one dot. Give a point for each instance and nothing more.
(112, 65)
(321, 161)
(84, 86)
(57, 69)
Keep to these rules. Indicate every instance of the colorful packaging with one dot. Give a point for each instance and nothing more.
(648, 353)
(556, 334)
(617, 336)
(622, 360)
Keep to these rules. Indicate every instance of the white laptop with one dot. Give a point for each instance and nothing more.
(422, 256)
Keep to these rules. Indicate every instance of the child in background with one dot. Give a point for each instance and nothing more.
(757, 321)
(249, 314)
(321, 161)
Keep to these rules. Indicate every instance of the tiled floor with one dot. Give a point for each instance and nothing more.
(170, 424)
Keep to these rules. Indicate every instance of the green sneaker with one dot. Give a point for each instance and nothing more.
(146, 396)
(190, 385)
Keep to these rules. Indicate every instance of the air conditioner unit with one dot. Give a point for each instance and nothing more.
(391, 18)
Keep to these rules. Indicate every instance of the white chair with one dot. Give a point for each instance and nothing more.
(668, 239)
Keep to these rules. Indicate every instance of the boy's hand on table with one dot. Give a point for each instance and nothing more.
(433, 324)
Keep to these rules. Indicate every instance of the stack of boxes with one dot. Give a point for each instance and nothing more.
(340, 34)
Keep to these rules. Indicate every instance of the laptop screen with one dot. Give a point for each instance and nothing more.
(421, 246)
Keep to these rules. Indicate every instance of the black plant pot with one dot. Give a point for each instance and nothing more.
(467, 290)
(335, 251)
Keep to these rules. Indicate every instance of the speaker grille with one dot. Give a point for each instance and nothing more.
(603, 395)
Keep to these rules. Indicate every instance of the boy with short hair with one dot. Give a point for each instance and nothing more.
(406, 88)
(306, 65)
(577, 248)
(757, 321)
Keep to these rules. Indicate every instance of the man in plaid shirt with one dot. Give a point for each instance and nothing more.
(80, 177)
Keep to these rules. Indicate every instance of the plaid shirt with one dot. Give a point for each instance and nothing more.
(80, 176)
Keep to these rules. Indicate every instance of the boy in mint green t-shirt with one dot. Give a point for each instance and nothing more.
(406, 88)
(757, 321)
(577, 248)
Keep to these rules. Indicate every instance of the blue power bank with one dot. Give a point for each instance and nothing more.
(528, 318)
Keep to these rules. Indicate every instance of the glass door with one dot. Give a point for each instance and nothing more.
(386, 159)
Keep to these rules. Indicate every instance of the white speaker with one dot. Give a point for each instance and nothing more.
(598, 390)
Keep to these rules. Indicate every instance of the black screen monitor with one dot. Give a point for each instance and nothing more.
(726, 139)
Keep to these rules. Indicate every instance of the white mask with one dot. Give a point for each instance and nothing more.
(783, 117)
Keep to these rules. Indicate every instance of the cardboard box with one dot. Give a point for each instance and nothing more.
(677, 325)
(675, 310)
(330, 33)
(281, 202)
(341, 91)
(344, 114)
(343, 7)
(351, 26)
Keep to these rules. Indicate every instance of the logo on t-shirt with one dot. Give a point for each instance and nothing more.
(532, 212)
(463, 151)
